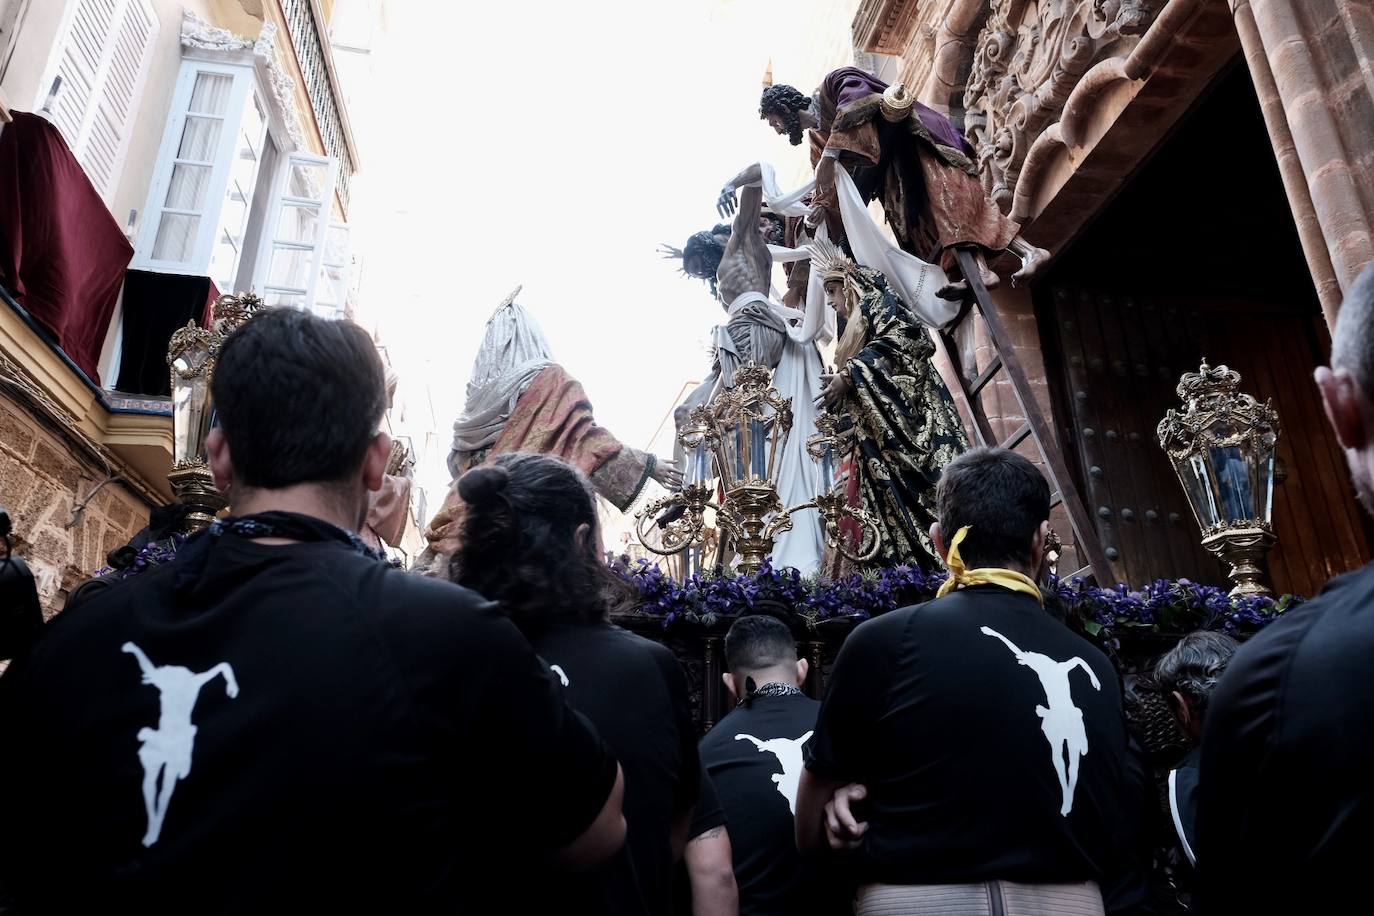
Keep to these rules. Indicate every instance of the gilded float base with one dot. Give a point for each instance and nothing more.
(194, 487)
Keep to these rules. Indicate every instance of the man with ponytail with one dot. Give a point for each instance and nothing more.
(278, 720)
(530, 540)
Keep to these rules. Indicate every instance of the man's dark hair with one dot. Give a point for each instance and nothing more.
(788, 102)
(702, 253)
(519, 547)
(1001, 497)
(759, 641)
(299, 398)
(1194, 665)
(1352, 342)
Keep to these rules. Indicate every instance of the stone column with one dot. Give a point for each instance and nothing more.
(1313, 66)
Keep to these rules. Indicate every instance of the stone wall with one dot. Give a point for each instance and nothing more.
(41, 478)
(1313, 66)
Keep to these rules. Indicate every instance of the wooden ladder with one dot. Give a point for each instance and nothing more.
(1063, 490)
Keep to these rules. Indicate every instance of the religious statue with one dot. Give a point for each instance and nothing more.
(520, 400)
(760, 331)
(911, 155)
(905, 425)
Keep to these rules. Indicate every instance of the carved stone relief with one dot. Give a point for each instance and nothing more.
(199, 34)
(1029, 57)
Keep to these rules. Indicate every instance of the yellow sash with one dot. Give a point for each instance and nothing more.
(992, 575)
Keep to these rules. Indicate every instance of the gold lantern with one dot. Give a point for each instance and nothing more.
(1222, 448)
(737, 439)
(191, 356)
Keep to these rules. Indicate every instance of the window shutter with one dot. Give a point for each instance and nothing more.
(101, 62)
(79, 64)
(295, 253)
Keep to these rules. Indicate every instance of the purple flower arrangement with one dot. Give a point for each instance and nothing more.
(1102, 614)
(127, 562)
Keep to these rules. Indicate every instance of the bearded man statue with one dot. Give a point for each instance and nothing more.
(520, 400)
(913, 157)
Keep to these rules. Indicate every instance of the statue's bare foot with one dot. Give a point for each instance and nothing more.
(990, 279)
(1031, 261)
(955, 290)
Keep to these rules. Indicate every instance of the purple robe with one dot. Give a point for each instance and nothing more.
(843, 88)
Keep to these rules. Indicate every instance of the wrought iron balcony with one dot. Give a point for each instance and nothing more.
(321, 86)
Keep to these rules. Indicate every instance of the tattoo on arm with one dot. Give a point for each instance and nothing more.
(711, 834)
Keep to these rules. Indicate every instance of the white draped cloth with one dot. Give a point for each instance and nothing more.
(910, 277)
(512, 353)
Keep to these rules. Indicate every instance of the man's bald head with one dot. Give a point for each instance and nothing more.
(1347, 387)
(1352, 342)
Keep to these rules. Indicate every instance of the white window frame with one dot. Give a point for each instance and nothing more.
(109, 44)
(343, 285)
(262, 263)
(198, 263)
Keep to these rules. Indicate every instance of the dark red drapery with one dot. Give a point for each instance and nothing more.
(62, 255)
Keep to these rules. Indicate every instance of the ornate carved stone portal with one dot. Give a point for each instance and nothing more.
(1029, 57)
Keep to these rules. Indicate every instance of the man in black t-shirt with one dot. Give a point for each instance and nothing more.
(635, 692)
(1286, 782)
(277, 720)
(989, 737)
(754, 756)
(705, 884)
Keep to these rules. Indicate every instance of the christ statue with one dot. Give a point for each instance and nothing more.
(763, 332)
(909, 154)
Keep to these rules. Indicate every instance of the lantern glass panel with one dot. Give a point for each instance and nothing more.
(735, 458)
(1196, 473)
(1235, 482)
(190, 406)
(825, 468)
(698, 468)
(758, 449)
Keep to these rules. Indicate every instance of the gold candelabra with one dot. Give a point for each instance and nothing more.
(737, 439)
(191, 356)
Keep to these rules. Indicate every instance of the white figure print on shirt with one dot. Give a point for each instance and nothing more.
(789, 754)
(165, 751)
(1060, 719)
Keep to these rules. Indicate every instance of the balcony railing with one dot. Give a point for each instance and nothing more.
(319, 86)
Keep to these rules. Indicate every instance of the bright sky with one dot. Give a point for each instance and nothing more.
(555, 145)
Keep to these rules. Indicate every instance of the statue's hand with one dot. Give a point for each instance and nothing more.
(837, 386)
(725, 204)
(667, 474)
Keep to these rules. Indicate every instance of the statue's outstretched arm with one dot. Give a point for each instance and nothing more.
(745, 229)
(752, 175)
